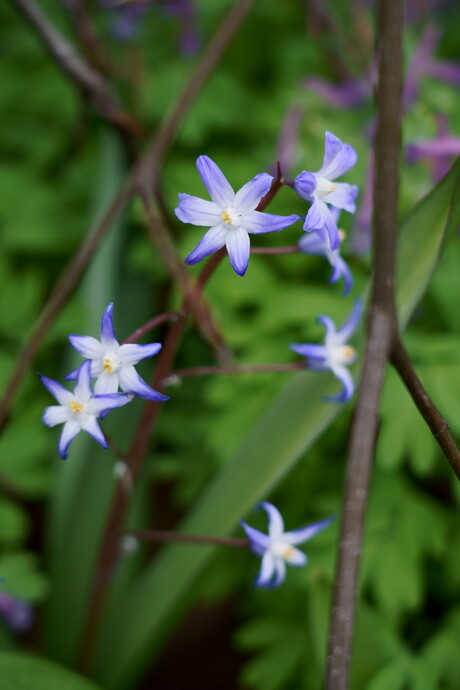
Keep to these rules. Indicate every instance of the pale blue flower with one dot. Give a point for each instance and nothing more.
(78, 411)
(112, 364)
(335, 355)
(231, 217)
(319, 188)
(278, 547)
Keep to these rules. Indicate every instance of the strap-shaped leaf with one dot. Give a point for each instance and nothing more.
(23, 672)
(292, 423)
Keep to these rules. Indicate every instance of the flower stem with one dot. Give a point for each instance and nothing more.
(162, 536)
(151, 324)
(237, 369)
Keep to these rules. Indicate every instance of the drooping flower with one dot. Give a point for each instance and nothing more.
(278, 547)
(335, 355)
(317, 243)
(231, 217)
(112, 364)
(78, 411)
(320, 190)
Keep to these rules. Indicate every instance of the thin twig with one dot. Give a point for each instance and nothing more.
(435, 421)
(87, 35)
(161, 536)
(381, 331)
(151, 324)
(89, 80)
(236, 369)
(289, 249)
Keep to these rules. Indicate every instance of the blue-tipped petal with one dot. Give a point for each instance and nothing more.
(341, 270)
(87, 346)
(329, 325)
(212, 241)
(74, 374)
(344, 376)
(106, 383)
(62, 395)
(248, 197)
(332, 147)
(100, 405)
(275, 519)
(197, 211)
(258, 222)
(267, 568)
(107, 335)
(238, 248)
(83, 390)
(309, 350)
(280, 572)
(69, 431)
(315, 242)
(132, 383)
(90, 425)
(259, 541)
(338, 158)
(343, 197)
(305, 185)
(297, 558)
(215, 182)
(303, 534)
(350, 326)
(132, 353)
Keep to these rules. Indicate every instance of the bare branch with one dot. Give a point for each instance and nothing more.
(161, 536)
(238, 369)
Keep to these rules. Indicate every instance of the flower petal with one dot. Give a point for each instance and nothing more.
(303, 534)
(197, 211)
(83, 392)
(318, 217)
(132, 353)
(69, 431)
(275, 520)
(315, 242)
(73, 375)
(311, 351)
(338, 157)
(257, 222)
(100, 405)
(331, 332)
(86, 346)
(215, 182)
(266, 571)
(132, 383)
(343, 196)
(248, 197)
(259, 541)
(350, 326)
(297, 558)
(62, 395)
(107, 335)
(305, 185)
(239, 248)
(106, 383)
(56, 414)
(341, 270)
(213, 241)
(280, 572)
(90, 425)
(346, 379)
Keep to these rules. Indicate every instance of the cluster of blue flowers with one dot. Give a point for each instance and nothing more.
(233, 217)
(112, 367)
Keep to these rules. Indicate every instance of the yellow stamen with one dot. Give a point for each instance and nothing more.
(347, 354)
(342, 235)
(225, 216)
(107, 365)
(288, 552)
(75, 406)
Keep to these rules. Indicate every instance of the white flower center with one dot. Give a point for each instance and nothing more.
(281, 550)
(324, 187)
(110, 362)
(342, 354)
(231, 218)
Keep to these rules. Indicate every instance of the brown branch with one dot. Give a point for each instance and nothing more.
(435, 421)
(83, 75)
(161, 536)
(381, 331)
(289, 249)
(87, 36)
(151, 324)
(238, 369)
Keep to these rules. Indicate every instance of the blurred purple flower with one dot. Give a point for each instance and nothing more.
(278, 547)
(335, 355)
(16, 613)
(439, 150)
(186, 13)
(127, 20)
(232, 217)
(317, 243)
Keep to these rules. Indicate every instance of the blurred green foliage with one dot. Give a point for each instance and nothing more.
(60, 167)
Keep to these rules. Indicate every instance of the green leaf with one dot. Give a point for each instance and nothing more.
(22, 672)
(292, 423)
